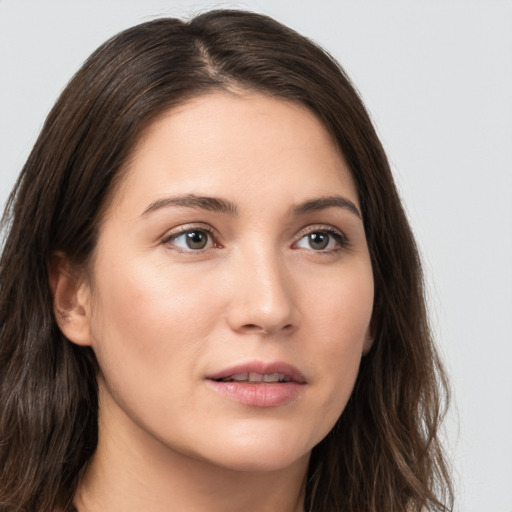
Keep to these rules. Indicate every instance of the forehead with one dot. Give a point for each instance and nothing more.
(239, 146)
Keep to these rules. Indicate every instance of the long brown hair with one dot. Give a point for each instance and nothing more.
(383, 454)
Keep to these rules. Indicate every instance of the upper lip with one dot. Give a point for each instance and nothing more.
(261, 368)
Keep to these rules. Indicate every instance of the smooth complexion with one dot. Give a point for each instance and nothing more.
(233, 246)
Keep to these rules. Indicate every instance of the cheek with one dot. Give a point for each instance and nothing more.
(149, 318)
(339, 322)
(340, 308)
(150, 326)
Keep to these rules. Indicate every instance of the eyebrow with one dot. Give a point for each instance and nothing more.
(218, 205)
(323, 203)
(212, 204)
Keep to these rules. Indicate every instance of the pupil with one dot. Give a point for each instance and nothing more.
(196, 240)
(318, 240)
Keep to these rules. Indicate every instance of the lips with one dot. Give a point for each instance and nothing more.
(258, 384)
(256, 378)
(258, 372)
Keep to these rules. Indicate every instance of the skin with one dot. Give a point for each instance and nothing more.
(161, 316)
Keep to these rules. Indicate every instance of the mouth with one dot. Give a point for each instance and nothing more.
(258, 372)
(259, 384)
(256, 378)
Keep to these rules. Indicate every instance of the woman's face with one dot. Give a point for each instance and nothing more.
(232, 288)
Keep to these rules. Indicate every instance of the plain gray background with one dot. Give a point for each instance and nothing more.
(437, 79)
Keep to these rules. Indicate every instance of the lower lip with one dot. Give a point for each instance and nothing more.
(259, 394)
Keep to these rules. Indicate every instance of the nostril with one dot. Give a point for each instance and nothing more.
(252, 327)
(264, 330)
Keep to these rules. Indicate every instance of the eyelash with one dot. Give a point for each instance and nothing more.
(191, 229)
(339, 237)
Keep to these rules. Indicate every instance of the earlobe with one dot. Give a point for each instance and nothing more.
(368, 342)
(71, 300)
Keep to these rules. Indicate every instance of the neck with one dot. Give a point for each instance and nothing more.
(132, 471)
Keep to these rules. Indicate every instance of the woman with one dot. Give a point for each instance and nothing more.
(210, 297)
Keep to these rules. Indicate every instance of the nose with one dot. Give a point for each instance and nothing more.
(262, 297)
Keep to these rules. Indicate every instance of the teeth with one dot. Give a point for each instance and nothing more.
(254, 377)
(239, 376)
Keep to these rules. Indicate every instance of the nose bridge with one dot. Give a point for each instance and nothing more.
(263, 297)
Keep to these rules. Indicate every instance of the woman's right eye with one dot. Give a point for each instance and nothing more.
(191, 240)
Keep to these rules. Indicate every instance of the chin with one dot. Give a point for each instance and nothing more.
(263, 462)
(263, 452)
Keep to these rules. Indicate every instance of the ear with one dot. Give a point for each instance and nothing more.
(368, 341)
(71, 300)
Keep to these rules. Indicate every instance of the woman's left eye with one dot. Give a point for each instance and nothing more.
(191, 240)
(321, 240)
